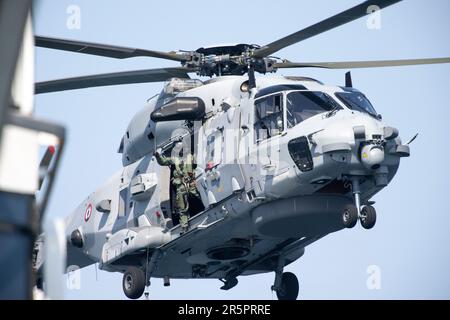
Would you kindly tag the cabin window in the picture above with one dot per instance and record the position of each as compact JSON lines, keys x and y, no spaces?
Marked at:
{"x":301,"y":105}
{"x":268,"y":117}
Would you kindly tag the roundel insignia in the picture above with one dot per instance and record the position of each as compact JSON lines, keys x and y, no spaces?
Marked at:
{"x":88,"y":212}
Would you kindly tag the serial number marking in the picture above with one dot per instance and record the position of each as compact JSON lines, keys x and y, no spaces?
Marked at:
{"x":226,"y":309}
{"x":246,"y":309}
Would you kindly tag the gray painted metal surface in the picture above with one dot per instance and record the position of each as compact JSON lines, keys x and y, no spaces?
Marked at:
{"x":256,"y":196}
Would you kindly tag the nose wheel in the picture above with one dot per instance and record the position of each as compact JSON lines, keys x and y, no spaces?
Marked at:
{"x":350,"y":216}
{"x":367,"y":215}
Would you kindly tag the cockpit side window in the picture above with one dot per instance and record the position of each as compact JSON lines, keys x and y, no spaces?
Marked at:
{"x":357,"y":101}
{"x":301,"y":105}
{"x":268,"y":117}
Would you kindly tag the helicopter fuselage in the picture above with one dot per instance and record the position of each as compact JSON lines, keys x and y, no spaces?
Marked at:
{"x":275,"y":167}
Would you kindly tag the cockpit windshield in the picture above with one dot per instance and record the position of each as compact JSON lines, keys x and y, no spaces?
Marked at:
{"x":301,"y":105}
{"x":357,"y":101}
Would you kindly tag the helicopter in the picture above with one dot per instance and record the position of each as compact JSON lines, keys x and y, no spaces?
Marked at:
{"x":280,"y":163}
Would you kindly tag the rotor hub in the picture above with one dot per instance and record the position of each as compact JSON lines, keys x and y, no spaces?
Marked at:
{"x":233,"y":59}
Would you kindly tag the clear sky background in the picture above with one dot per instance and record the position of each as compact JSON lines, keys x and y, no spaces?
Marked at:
{"x":410,"y":243}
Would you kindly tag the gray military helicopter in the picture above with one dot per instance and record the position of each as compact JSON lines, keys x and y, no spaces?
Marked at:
{"x":280,"y":163}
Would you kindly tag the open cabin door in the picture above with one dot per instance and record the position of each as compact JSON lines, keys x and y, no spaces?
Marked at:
{"x":172,"y":133}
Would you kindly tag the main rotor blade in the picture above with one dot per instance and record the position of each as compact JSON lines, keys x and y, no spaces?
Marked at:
{"x":110,"y":79}
{"x":320,"y":27}
{"x":104,"y":50}
{"x":360,"y":64}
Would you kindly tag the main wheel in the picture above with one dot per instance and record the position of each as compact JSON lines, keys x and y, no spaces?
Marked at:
{"x":289,"y":287}
{"x":350,"y":216}
{"x":133,"y":282}
{"x":368,"y":217}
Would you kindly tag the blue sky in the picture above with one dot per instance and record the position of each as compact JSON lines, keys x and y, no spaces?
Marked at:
{"x":410,"y":241}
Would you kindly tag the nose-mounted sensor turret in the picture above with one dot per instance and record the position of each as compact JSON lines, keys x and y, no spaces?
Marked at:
{"x":372,"y":155}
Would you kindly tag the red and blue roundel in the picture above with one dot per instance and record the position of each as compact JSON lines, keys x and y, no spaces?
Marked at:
{"x":88,"y":212}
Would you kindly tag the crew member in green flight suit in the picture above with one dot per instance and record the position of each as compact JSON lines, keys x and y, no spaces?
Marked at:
{"x":183,"y":180}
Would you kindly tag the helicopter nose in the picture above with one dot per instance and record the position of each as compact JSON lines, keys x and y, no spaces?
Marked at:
{"x":373,"y":141}
{"x":377,"y":146}
{"x":360,"y":144}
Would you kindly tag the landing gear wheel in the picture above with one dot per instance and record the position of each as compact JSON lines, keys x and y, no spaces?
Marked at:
{"x":368,"y":217}
{"x":288,"y":288}
{"x":350,"y":216}
{"x":133,"y":282}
